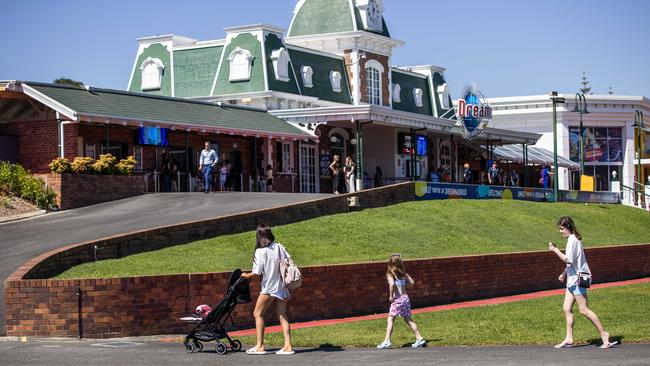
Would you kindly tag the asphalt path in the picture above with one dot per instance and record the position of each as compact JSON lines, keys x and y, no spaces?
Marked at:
{"x":116,"y":352}
{"x":23,"y":240}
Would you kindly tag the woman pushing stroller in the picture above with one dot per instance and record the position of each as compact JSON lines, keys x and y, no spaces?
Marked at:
{"x":266,"y":264}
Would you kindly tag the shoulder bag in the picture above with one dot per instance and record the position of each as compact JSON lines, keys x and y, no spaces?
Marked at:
{"x":289,"y":272}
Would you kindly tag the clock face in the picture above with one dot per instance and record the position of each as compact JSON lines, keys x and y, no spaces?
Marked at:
{"x":374,"y":14}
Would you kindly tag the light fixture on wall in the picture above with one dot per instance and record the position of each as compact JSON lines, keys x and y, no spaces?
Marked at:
{"x":333,"y":139}
{"x":353,"y":141}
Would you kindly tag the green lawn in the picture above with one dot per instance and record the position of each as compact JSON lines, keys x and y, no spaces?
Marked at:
{"x":622,"y":310}
{"x":416,"y":229}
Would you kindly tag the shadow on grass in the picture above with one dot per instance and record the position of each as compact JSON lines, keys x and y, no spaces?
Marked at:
{"x":325,"y":347}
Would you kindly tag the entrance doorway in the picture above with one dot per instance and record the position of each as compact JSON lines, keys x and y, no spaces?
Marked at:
{"x":308,"y":172}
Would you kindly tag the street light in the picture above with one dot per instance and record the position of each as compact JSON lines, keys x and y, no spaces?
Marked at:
{"x":556,"y":100}
{"x":581,"y":107}
{"x":640,"y":126}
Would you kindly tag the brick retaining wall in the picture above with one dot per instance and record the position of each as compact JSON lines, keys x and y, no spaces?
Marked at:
{"x":152,"y":305}
{"x":78,"y":190}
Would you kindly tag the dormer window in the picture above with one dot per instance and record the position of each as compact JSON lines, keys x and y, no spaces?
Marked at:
{"x":335,"y":80}
{"x":280,"y":60}
{"x":396,"y":93}
{"x":417,"y":95}
{"x":152,"y":71}
{"x":443,"y":95}
{"x":307,"y":74}
{"x":240,"y":64}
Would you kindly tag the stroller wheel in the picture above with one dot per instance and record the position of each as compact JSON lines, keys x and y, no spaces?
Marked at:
{"x":198,"y":346}
{"x":221,"y":348}
{"x":189,"y":347}
{"x":235,"y":345}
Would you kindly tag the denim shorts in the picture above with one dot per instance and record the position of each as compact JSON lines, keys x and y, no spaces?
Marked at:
{"x":577,"y":290}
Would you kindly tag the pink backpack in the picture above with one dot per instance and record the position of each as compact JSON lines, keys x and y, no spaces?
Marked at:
{"x":289,"y":272}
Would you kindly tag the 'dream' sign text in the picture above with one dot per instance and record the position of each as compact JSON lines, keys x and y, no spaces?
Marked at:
{"x":473,"y":110}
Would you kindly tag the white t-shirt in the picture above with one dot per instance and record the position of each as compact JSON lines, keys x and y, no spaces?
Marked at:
{"x":576,"y":260}
{"x":267,"y":265}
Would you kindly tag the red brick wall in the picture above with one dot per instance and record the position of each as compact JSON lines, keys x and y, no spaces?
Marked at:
{"x":38,"y":143}
{"x":78,"y":190}
{"x":152,"y":305}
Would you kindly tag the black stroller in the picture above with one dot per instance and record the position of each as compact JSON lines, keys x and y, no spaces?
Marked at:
{"x":212,"y":327}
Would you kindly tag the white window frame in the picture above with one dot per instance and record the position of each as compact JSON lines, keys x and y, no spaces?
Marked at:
{"x":151,"y":72}
{"x":335,"y":80}
{"x":240,"y":65}
{"x":443,"y":95}
{"x":397,"y":89}
{"x":280,"y":58}
{"x":137,"y":154}
{"x":307,"y":76}
{"x":417,"y":96}
{"x":287,"y":157}
{"x":374,"y":85}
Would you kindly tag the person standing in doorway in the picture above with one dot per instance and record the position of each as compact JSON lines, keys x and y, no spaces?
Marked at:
{"x":350,"y":169}
{"x":335,"y":167}
{"x":207,"y":161}
{"x":467,"y":174}
{"x":544,"y":177}
{"x":493,"y":174}
{"x":576,"y":267}
{"x":269,"y":178}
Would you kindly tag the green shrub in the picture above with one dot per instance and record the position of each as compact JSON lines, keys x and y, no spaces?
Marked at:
{"x":60,"y":166}
{"x":105,"y":164}
{"x":83,"y":165}
{"x":15,"y":180}
{"x":127,"y":166}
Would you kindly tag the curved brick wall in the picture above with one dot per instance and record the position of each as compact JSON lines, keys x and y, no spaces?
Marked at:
{"x":152,"y":305}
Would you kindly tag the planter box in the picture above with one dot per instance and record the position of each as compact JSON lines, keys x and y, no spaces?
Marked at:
{"x":78,"y":190}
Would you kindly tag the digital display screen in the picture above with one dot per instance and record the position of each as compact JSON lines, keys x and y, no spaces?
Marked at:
{"x":153,"y":136}
{"x":421,"y":145}
{"x":405,"y":144}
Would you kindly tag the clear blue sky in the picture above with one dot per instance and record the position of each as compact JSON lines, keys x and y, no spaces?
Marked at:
{"x":507,"y":47}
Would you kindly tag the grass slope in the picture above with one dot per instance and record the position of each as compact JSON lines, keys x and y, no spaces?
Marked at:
{"x":622,"y":310}
{"x":416,"y":229}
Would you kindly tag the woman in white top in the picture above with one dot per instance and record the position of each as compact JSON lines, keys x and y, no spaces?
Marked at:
{"x":266,"y":263}
{"x":576,"y":262}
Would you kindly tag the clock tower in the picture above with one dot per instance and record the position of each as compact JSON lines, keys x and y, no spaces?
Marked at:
{"x":371,"y":14}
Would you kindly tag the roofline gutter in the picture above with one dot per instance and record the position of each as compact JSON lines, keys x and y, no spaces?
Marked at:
{"x":44,"y":99}
{"x":127,"y":121}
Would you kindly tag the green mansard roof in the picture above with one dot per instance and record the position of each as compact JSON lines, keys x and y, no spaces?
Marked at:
{"x":194,"y":71}
{"x":328,"y":16}
{"x":408,"y":82}
{"x":321,"y":66}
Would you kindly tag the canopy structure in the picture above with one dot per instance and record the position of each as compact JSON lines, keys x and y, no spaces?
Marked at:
{"x":536,"y":155}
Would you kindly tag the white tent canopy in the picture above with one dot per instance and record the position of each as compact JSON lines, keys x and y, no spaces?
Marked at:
{"x":536,"y":155}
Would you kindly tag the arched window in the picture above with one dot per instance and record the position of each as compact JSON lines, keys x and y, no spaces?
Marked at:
{"x":307,"y":73}
{"x":335,"y":80}
{"x":396,"y":93}
{"x":443,"y":95}
{"x":240,"y":64}
{"x":152,"y":71}
{"x":417,"y":95}
{"x":374,"y":71}
{"x":280,"y":60}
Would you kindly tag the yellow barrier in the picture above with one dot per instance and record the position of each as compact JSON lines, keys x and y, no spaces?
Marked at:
{"x":587,"y":183}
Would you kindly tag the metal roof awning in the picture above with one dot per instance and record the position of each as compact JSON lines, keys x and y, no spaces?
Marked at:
{"x":536,"y":155}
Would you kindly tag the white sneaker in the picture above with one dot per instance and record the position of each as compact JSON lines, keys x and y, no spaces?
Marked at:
{"x":419,"y":343}
{"x":384,"y":345}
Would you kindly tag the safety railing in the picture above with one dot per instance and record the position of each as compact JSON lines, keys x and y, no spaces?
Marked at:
{"x":638,"y":195}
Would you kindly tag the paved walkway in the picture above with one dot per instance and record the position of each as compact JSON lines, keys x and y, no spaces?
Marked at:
{"x":23,"y":240}
{"x":157,"y":353}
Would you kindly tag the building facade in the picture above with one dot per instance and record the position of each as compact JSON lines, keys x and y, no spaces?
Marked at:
{"x":331,"y":76}
{"x":610,"y":142}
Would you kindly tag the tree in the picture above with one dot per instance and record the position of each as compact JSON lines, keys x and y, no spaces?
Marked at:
{"x":66,"y":81}
{"x":586,"y":89}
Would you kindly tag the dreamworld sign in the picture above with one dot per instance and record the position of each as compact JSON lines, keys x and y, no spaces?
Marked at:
{"x":472,"y":112}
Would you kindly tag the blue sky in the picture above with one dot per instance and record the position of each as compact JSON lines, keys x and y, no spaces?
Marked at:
{"x":507,"y":47}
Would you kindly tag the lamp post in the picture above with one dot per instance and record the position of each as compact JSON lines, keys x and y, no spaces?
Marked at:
{"x":640,"y":127}
{"x":581,"y":107}
{"x":556,"y":100}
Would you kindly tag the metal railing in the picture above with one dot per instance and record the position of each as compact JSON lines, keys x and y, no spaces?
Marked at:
{"x":636,"y":196}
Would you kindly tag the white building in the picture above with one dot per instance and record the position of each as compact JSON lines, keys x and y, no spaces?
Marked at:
{"x":609,"y":138}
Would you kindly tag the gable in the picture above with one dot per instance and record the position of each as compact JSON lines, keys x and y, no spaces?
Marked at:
{"x":155,"y":51}
{"x":250,"y":43}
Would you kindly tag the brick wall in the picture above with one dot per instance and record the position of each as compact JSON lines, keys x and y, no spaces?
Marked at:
{"x":152,"y":305}
{"x":78,"y":190}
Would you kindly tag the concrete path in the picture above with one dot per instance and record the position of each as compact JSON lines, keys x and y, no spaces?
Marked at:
{"x":156,"y":353}
{"x":23,"y":240}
